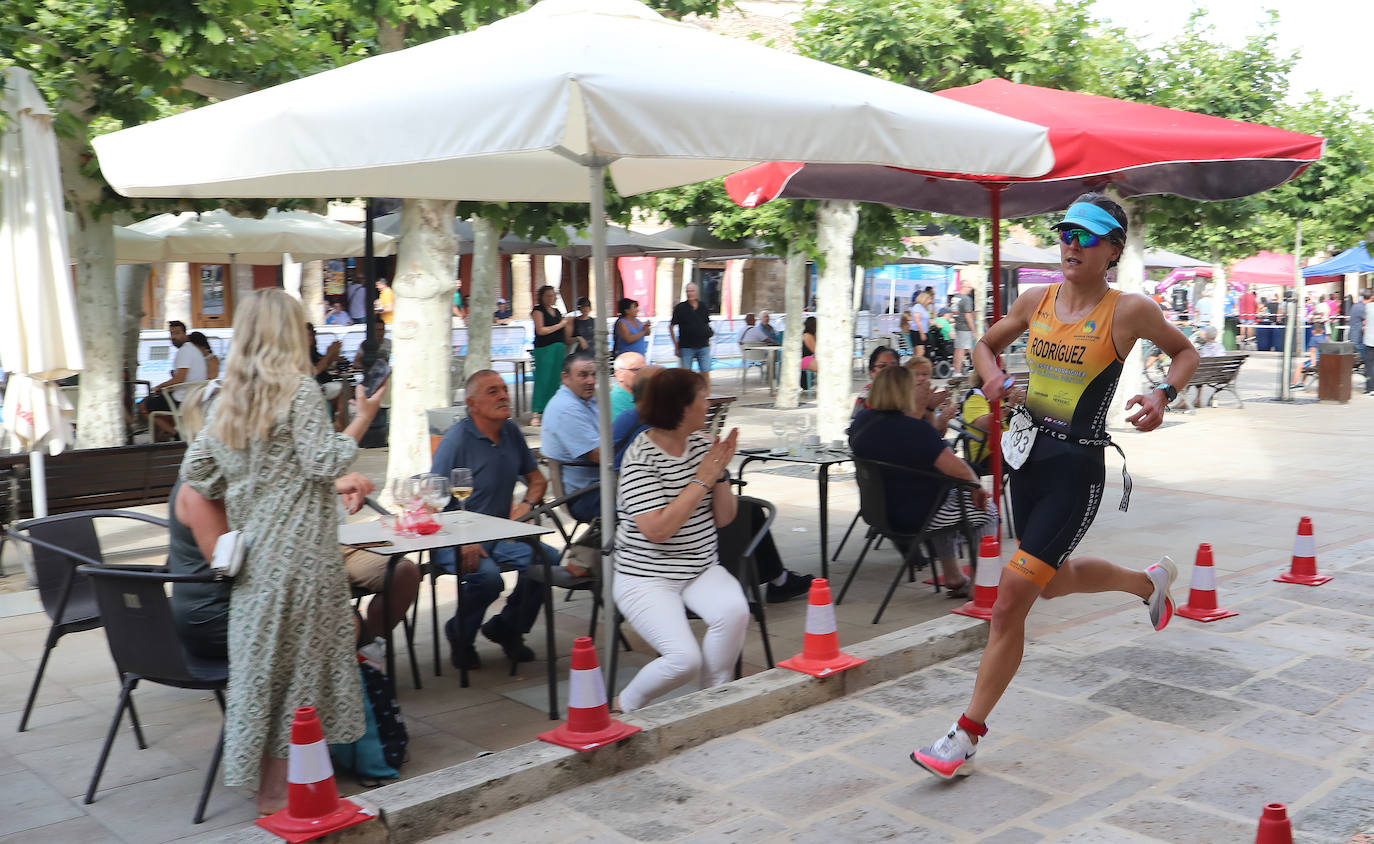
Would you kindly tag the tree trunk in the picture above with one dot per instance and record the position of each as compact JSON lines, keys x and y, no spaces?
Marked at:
{"x":1130,"y":275}
{"x":836,"y":223}
{"x":486,"y":280}
{"x":312,"y":288}
{"x":176,"y":296}
{"x":131,"y":280}
{"x":100,"y":408}
{"x":663,"y":293}
{"x":794,"y":307}
{"x":521,"y":285}
{"x":421,"y":332}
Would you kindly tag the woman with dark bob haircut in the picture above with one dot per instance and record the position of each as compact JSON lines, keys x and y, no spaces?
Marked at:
{"x":673,"y":494}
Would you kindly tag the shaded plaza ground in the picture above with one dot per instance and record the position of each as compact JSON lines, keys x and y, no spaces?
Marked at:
{"x":1257,"y":694}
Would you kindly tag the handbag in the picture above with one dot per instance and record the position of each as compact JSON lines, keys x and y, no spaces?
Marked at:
{"x":230,"y":550}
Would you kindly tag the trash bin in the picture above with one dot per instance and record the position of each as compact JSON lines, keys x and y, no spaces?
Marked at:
{"x":1229,"y":334}
{"x":1334,"y":366}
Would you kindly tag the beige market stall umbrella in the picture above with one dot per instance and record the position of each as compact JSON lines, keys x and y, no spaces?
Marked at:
{"x":218,"y":237}
{"x":40,"y":340}
{"x":598,"y":86}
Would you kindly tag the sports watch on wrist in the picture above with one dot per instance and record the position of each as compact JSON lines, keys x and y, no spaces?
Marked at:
{"x":1170,"y":391}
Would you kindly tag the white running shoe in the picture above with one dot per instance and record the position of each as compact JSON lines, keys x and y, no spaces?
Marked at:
{"x":949,"y":757}
{"x":1163,"y":574}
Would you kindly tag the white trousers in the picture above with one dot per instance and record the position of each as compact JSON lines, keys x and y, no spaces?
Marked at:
{"x":657,"y":609}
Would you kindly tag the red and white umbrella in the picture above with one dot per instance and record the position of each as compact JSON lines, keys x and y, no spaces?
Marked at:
{"x":1138,"y":149}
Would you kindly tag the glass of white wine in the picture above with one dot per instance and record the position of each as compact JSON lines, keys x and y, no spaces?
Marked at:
{"x":461,"y":486}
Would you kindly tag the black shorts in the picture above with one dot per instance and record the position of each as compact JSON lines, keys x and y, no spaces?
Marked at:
{"x":1054,"y":499}
{"x":155,"y":402}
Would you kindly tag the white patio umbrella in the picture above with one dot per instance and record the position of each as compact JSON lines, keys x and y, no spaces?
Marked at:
{"x":40,"y":340}
{"x":599,"y":84}
{"x":218,"y":237}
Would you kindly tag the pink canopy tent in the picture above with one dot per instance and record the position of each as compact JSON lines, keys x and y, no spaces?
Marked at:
{"x":1273,"y":269}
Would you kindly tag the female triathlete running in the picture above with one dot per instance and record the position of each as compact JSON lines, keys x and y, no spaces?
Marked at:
{"x":1080,"y":333}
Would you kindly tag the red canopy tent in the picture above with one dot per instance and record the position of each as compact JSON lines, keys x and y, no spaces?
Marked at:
{"x":1098,"y":141}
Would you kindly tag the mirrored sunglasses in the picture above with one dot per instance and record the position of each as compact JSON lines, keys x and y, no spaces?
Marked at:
{"x":1086,"y":239}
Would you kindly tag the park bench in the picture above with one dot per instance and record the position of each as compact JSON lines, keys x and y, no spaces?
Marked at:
{"x":90,"y":479}
{"x":1219,"y":373}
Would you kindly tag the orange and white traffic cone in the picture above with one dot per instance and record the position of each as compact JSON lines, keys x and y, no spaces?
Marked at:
{"x":985,"y":580}
{"x":589,"y":723}
{"x":1274,"y":826}
{"x":1202,"y":599}
{"x":1304,"y":568}
{"x":313,"y":807}
{"x":821,"y":655}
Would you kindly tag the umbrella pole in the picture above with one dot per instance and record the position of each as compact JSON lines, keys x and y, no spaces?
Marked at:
{"x":38,"y":480}
{"x":995,"y":429}
{"x":596,"y":173}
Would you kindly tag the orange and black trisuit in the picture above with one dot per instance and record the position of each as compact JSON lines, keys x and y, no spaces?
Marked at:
{"x":1074,"y":369}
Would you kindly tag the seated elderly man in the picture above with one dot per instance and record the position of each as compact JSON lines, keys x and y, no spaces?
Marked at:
{"x":489,"y":443}
{"x":627,"y":366}
{"x":760,"y":332}
{"x":571,"y":434}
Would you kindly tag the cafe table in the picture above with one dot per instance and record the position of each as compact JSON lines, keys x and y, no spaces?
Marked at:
{"x":822,"y":457}
{"x":520,"y":365}
{"x":457,"y":527}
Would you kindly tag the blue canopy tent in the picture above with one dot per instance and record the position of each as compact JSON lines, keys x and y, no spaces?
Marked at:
{"x":1353,"y":260}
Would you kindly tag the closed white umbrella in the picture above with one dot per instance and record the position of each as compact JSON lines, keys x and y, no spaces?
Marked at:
{"x":40,"y":340}
{"x":597,"y":85}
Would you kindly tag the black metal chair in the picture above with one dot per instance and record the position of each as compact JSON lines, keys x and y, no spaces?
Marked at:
{"x":737,"y":546}
{"x":869,"y":474}
{"x":60,"y":544}
{"x":143,"y":640}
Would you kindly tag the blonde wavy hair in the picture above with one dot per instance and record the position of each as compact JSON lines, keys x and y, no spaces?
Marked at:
{"x":892,"y":390}
{"x":264,"y":368}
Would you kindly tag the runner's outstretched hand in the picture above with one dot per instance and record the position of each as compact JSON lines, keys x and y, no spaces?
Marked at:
{"x":1151,"y":412}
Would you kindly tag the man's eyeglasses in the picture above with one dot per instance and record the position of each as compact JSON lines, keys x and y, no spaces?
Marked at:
{"x":1086,"y":239}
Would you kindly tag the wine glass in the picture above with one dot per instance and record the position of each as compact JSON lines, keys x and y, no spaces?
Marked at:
{"x":780,"y":432}
{"x":803,"y":424}
{"x":461,"y":485}
{"x":435,"y":491}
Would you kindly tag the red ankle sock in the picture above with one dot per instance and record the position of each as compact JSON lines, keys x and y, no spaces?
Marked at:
{"x":972,"y":727}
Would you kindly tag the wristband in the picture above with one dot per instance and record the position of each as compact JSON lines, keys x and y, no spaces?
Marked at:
{"x":532,"y":504}
{"x":699,"y":482}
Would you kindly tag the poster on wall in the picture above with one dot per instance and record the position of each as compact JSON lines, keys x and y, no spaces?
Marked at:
{"x":334,"y":276}
{"x":637,"y":276}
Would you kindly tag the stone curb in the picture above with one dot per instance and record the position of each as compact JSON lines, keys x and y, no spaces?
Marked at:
{"x":442,"y":801}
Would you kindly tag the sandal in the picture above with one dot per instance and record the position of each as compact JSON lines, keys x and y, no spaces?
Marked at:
{"x":960,"y":591}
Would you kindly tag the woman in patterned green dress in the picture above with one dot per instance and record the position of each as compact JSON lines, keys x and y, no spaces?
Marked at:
{"x":271,"y":454}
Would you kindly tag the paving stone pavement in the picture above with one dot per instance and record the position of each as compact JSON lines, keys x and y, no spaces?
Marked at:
{"x":1180,"y":737}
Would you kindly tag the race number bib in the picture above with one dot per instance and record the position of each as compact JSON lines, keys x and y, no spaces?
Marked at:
{"x":1018,"y":438}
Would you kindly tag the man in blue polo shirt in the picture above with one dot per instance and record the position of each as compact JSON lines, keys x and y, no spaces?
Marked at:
{"x":491,"y":445}
{"x":571,"y":435}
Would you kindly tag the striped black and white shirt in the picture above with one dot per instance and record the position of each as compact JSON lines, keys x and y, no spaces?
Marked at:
{"x":649,"y":479}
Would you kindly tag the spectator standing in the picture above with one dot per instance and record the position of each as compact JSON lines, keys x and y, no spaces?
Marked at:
{"x":551,"y":334}
{"x":692,"y":337}
{"x":270,"y":454}
{"x":572,"y":435}
{"x":631,"y":333}
{"x":674,"y":493}
{"x":808,"y":361}
{"x":1359,"y":316}
{"x":963,"y":326}
{"x":503,"y":314}
{"x":356,"y":297}
{"x":1249,"y":314}
{"x":386,"y":302}
{"x":489,"y":443}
